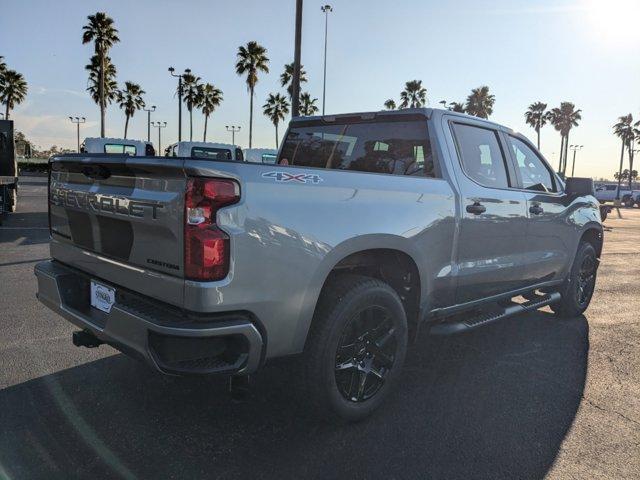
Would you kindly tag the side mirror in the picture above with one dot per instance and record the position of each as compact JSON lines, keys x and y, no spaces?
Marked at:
{"x":579,"y":186}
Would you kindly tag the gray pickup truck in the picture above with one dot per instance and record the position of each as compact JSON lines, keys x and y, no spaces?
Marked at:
{"x":369,"y":227}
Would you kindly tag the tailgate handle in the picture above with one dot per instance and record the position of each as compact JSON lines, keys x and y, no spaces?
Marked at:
{"x":97,"y":172}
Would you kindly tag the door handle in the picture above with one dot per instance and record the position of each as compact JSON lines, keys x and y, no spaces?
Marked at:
{"x":536,"y":209}
{"x":476,"y":208}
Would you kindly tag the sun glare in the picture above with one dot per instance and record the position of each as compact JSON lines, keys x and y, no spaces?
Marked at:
{"x":615,"y":20}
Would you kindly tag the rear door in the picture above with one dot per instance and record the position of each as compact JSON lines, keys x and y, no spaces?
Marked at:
{"x":121,"y":218}
{"x":491,"y":247}
{"x":548,"y":210}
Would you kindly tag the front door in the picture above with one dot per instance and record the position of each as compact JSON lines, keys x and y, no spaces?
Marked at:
{"x":491,"y":247}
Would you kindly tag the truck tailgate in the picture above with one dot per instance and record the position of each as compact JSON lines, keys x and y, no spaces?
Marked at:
{"x":121,"y":218}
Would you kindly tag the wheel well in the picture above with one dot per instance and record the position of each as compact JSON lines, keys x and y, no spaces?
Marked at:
{"x":391,"y":266}
{"x":594,"y":237}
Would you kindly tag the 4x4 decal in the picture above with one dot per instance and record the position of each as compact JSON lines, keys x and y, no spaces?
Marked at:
{"x":280,"y":176}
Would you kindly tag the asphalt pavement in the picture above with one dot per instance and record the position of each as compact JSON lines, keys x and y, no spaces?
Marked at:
{"x":528,"y":397}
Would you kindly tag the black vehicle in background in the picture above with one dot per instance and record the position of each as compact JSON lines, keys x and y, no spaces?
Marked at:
{"x":8,"y":169}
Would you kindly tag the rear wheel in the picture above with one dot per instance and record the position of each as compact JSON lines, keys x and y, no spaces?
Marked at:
{"x":356,"y":346}
{"x":579,"y":286}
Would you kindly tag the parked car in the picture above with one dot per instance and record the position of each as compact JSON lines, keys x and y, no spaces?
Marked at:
{"x":608,"y":193}
{"x":371,"y":227}
{"x":8,"y":169}
{"x":205,"y":151}
{"x":118,"y":146}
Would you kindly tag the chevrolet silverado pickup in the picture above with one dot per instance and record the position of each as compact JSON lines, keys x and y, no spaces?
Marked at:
{"x":369,"y":227}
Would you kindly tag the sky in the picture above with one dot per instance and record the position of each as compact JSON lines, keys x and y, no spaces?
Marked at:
{"x":582,"y":51}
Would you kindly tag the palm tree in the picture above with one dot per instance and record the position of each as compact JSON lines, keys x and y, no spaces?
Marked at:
{"x":307,"y":104}
{"x":130,"y":100}
{"x":251,"y":59}
{"x":13,"y":90}
{"x":276,"y":107}
{"x":210,"y":97}
{"x":564,"y":118}
{"x":456,"y":107}
{"x":390,"y":104}
{"x":480,"y":102}
{"x":287,"y":76}
{"x":3,"y":66}
{"x":190,"y":96}
{"x":537,"y":116}
{"x":414,"y":95}
{"x":93,"y":83}
{"x":624,"y":131}
{"x":103,"y":34}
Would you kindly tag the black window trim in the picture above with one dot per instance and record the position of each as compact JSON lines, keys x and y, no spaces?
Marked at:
{"x":508,"y":167}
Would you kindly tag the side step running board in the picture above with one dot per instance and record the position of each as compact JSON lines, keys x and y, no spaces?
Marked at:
{"x":448,"y":328}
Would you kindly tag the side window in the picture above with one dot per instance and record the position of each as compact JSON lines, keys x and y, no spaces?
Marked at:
{"x":535,"y":174}
{"x":115,"y":148}
{"x":481,"y":155}
{"x":239,"y":155}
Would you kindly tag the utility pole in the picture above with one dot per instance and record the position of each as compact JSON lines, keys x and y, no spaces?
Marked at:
{"x":295,"y":91}
{"x":149,"y":110}
{"x":233,"y":129}
{"x":326,"y":9}
{"x":179,"y":77}
{"x":159,"y":126}
{"x":575,"y":148}
{"x":78,"y":121}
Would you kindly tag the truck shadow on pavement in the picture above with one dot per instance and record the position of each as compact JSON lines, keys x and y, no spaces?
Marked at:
{"x":494,"y":403}
{"x":28,"y":228}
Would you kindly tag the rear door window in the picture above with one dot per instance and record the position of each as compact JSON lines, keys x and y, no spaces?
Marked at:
{"x":396,"y":147}
{"x":535,"y":174}
{"x":481,"y":155}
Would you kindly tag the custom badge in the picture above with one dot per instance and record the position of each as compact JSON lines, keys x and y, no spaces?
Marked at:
{"x":280,"y":176}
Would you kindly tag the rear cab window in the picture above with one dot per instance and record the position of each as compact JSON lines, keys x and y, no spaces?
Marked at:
{"x":211,"y":153}
{"x":397,"y":146}
{"x":119,"y":149}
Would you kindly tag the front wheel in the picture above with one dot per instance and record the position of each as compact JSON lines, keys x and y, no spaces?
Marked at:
{"x":356,"y":346}
{"x":580,"y":284}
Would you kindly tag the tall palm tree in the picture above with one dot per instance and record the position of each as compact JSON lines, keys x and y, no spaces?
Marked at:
{"x":555,"y":118}
{"x":286,"y":78}
{"x":130,"y":100}
{"x":251,"y":59}
{"x":537,"y":116}
{"x":564,"y":118}
{"x":190,"y":96}
{"x":390,"y":104}
{"x":480,"y":102}
{"x":93,"y":83}
{"x":276,"y":107}
{"x":456,"y":107}
{"x":13,"y":90}
{"x":307,"y":104}
{"x":414,"y":95}
{"x":624,"y":131}
{"x":3,"y":66}
{"x":103,"y":34}
{"x":210,"y":97}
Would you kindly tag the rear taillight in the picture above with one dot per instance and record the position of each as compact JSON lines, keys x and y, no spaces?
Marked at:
{"x":206,"y":247}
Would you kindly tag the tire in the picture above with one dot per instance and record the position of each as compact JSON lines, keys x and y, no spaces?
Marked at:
{"x":628,"y":202}
{"x":604,"y":211}
{"x":580,"y":284}
{"x":353,"y":357}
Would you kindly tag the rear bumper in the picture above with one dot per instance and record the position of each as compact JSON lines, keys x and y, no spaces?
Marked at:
{"x":170,"y":340}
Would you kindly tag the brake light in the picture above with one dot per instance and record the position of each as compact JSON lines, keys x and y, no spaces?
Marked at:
{"x":206,"y":247}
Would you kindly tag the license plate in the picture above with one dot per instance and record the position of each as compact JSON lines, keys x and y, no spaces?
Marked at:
{"x":102,"y":297}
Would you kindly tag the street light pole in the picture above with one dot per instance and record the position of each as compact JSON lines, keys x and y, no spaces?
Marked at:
{"x":233,"y":129}
{"x":179,"y":77}
{"x":575,"y":148}
{"x":295,"y":91}
{"x":149,"y":110}
{"x":326,"y":9}
{"x":78,"y":121}
{"x":159,"y":126}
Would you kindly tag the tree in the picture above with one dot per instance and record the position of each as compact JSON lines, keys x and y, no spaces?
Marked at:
{"x":307,"y":104}
{"x":480,"y":102}
{"x":190,"y":96}
{"x":390,"y":104}
{"x":414,"y":95}
{"x":210,"y":97}
{"x":287,"y":76}
{"x":93,"y":83}
{"x":276,"y":108}
{"x":456,"y":107}
{"x":624,"y":131}
{"x":564,"y":118}
{"x":13,"y":90}
{"x":3,"y":66}
{"x":103,"y":34}
{"x":130,"y":100}
{"x":251,"y":59}
{"x":624,"y":176}
{"x":537,"y":116}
